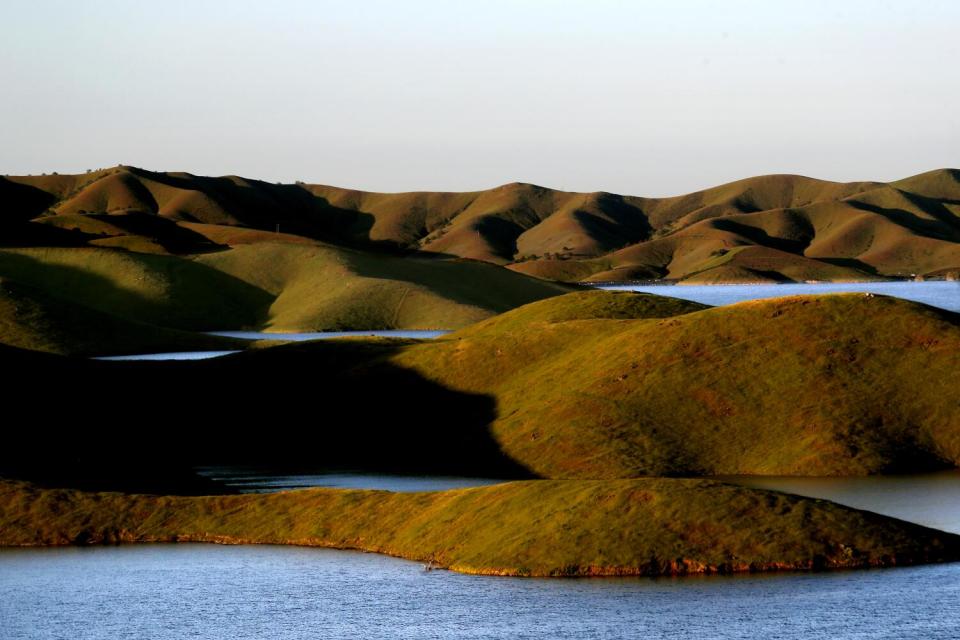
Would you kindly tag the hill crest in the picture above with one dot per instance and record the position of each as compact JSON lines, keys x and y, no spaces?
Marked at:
{"x":822,"y":230}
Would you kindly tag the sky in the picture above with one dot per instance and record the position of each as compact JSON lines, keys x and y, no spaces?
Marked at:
{"x":647,"y":98}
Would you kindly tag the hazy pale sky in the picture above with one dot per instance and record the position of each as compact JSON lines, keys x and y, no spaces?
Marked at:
{"x":645,"y":98}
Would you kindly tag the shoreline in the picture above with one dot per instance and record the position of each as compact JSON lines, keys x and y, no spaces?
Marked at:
{"x":539,"y":528}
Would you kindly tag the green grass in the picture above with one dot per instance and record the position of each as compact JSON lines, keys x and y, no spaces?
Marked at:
{"x":588,"y":385}
{"x":590,"y":304}
{"x":32,"y":319}
{"x":160,"y":290}
{"x":275,"y":286}
{"x":810,"y":385}
{"x":535,"y":528}
{"x":328,"y":288}
{"x":801,"y":228}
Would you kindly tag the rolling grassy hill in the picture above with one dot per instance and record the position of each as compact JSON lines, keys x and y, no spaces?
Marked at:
{"x":809,"y":385}
{"x":31,"y":319}
{"x":539,"y":528}
{"x":768,"y":228}
{"x":278,"y":286}
{"x":588,"y":385}
{"x":330,"y":288}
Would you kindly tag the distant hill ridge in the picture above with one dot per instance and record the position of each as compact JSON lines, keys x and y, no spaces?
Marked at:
{"x":766,"y":228}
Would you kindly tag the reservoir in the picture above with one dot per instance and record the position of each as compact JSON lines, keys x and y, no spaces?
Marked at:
{"x":266,"y":480}
{"x":216,"y":592}
{"x":326,"y":335}
{"x":220,"y":592}
{"x":945,"y":295}
{"x":165,"y":591}
{"x":264,"y":335}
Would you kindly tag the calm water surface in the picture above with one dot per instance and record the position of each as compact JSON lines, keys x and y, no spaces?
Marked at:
{"x":265,"y":480}
{"x":207,"y":591}
{"x":930,"y":499}
{"x":279,"y":593}
{"x":262,"y":335}
{"x":171,"y":355}
{"x":945,"y":295}
{"x":221,"y":592}
{"x":326,"y":335}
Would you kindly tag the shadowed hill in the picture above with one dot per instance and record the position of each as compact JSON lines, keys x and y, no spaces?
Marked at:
{"x":329,"y":288}
{"x":279,"y":286}
{"x":540,"y":528}
{"x":152,"y":289}
{"x":144,"y":425}
{"x":778,"y":227}
{"x":32,"y":319}
{"x":614,"y":385}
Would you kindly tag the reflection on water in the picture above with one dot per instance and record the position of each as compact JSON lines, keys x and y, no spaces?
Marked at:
{"x":173,"y":355}
{"x":260,"y":335}
{"x":945,"y":295}
{"x":224,"y":593}
{"x":326,"y":335}
{"x":265,"y":480}
{"x":931,"y":499}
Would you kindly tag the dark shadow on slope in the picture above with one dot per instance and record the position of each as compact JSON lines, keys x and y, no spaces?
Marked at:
{"x":936,"y":209}
{"x":851,"y":263}
{"x":760,"y":236}
{"x":22,"y":201}
{"x":264,"y":206}
{"x":465,"y":281}
{"x":500,"y":234}
{"x":616,"y":223}
{"x":18,"y":233}
{"x":199,"y":298}
{"x":165,"y":232}
{"x":141,"y":426}
{"x":936,"y":229}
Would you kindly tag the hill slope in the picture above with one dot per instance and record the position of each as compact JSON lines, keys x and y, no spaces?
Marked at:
{"x":540,"y":528}
{"x":808,"y":385}
{"x":32,"y":319}
{"x":589,"y":385}
{"x":329,"y":288}
{"x":279,"y":286}
{"x":779,"y":227}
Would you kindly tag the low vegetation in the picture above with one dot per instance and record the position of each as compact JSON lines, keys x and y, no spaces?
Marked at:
{"x":588,"y":385}
{"x":773,"y":228}
{"x":536,"y":528}
{"x":845,"y":384}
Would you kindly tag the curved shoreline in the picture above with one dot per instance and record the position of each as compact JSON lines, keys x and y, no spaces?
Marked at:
{"x":541,"y":528}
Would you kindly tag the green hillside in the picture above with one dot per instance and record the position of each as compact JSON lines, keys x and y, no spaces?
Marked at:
{"x":540,"y":528}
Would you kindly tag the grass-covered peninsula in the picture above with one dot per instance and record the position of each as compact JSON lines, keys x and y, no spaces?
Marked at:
{"x":534,"y":528}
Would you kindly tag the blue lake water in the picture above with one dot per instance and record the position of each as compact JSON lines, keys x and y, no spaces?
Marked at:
{"x":171,"y":355}
{"x":326,"y":335}
{"x":945,"y":295}
{"x":930,"y":499}
{"x":207,"y":591}
{"x":215,"y":592}
{"x":266,"y":480}
{"x":263,"y":335}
